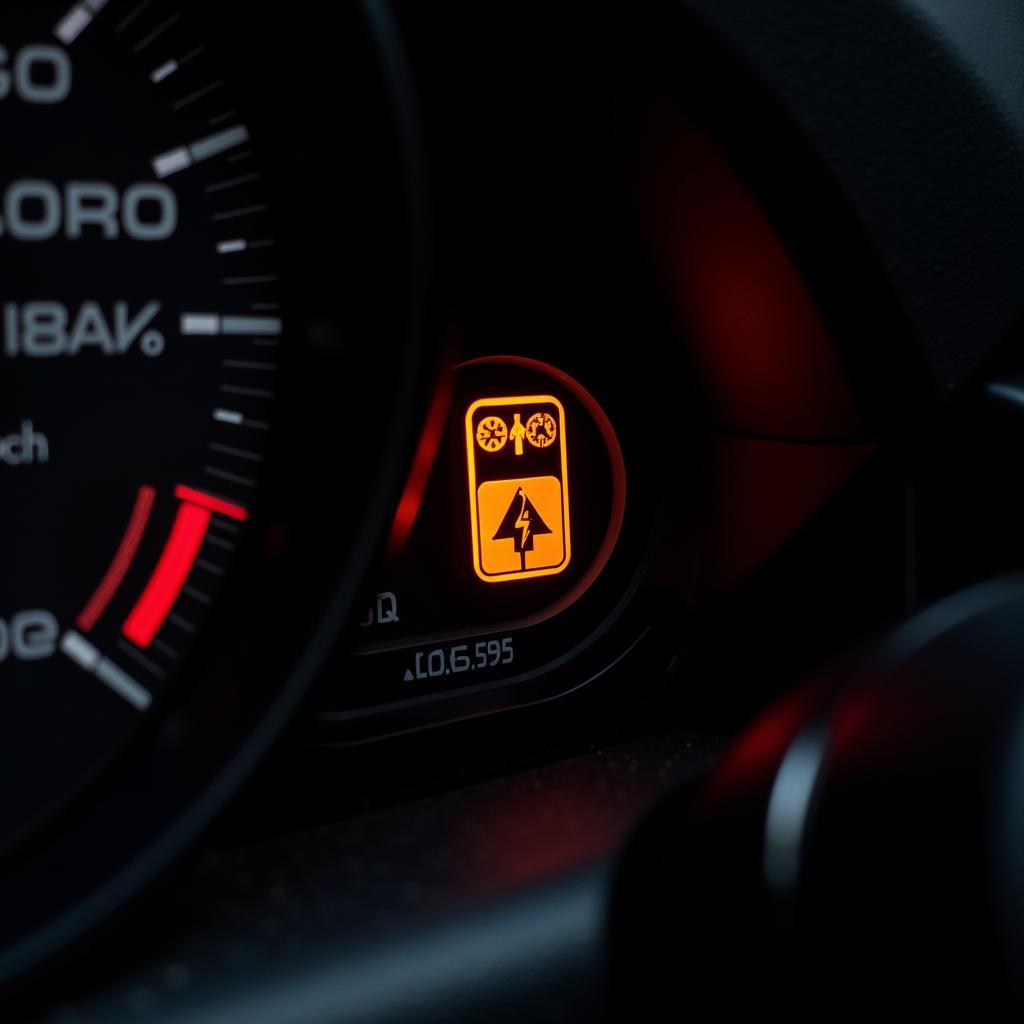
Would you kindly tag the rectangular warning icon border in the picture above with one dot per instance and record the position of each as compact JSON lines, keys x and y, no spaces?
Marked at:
{"x":471,"y":456}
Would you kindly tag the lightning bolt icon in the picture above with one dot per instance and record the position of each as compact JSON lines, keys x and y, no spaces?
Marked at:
{"x":523,"y":521}
{"x":522,"y":524}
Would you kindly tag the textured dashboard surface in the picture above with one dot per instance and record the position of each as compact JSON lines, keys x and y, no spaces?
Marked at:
{"x":918,"y":121}
{"x":494,"y":895}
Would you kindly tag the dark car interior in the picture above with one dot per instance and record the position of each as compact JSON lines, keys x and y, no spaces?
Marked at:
{"x":511,"y":512}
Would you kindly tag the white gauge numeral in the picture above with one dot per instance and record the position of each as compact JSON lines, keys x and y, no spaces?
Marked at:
{"x":36,"y":74}
{"x":40,"y":211}
{"x":28,"y":636}
{"x":45,"y":330}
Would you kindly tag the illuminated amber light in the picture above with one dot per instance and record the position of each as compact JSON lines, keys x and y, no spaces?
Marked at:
{"x":542,"y":430}
{"x":518,"y":492}
{"x":491,"y":433}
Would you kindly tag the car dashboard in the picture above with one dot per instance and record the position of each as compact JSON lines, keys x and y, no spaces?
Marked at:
{"x":510,"y":510}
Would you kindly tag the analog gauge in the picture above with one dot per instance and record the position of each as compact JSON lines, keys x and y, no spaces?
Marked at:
{"x":140,"y":326}
{"x":154,"y":467}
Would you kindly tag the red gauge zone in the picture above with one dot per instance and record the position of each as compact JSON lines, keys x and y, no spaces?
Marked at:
{"x":140,"y":330}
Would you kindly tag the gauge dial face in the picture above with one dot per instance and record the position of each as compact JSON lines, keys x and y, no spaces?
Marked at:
{"x":139,"y":335}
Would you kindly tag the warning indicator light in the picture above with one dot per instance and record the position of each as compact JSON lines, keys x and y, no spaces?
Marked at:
{"x":492,"y":433}
{"x":518,"y":487}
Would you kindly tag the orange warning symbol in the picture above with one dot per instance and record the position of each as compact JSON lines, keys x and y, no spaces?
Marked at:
{"x":491,"y":433}
{"x":541,"y":430}
{"x":519,"y":494}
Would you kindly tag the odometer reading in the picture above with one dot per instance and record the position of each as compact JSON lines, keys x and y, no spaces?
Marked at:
{"x":460,"y":658}
{"x":139,"y":328}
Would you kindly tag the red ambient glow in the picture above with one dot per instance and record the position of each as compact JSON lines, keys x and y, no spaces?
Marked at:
{"x":115,"y":574}
{"x":423,"y":464}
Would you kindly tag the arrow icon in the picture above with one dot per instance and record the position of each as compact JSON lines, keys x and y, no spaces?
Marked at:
{"x":520,"y":524}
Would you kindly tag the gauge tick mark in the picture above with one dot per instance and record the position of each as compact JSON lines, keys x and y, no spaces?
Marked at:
{"x":87,"y":657}
{"x":156,"y":33}
{"x":183,"y":157}
{"x":74,"y":23}
{"x":164,"y":71}
{"x":212,"y":324}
